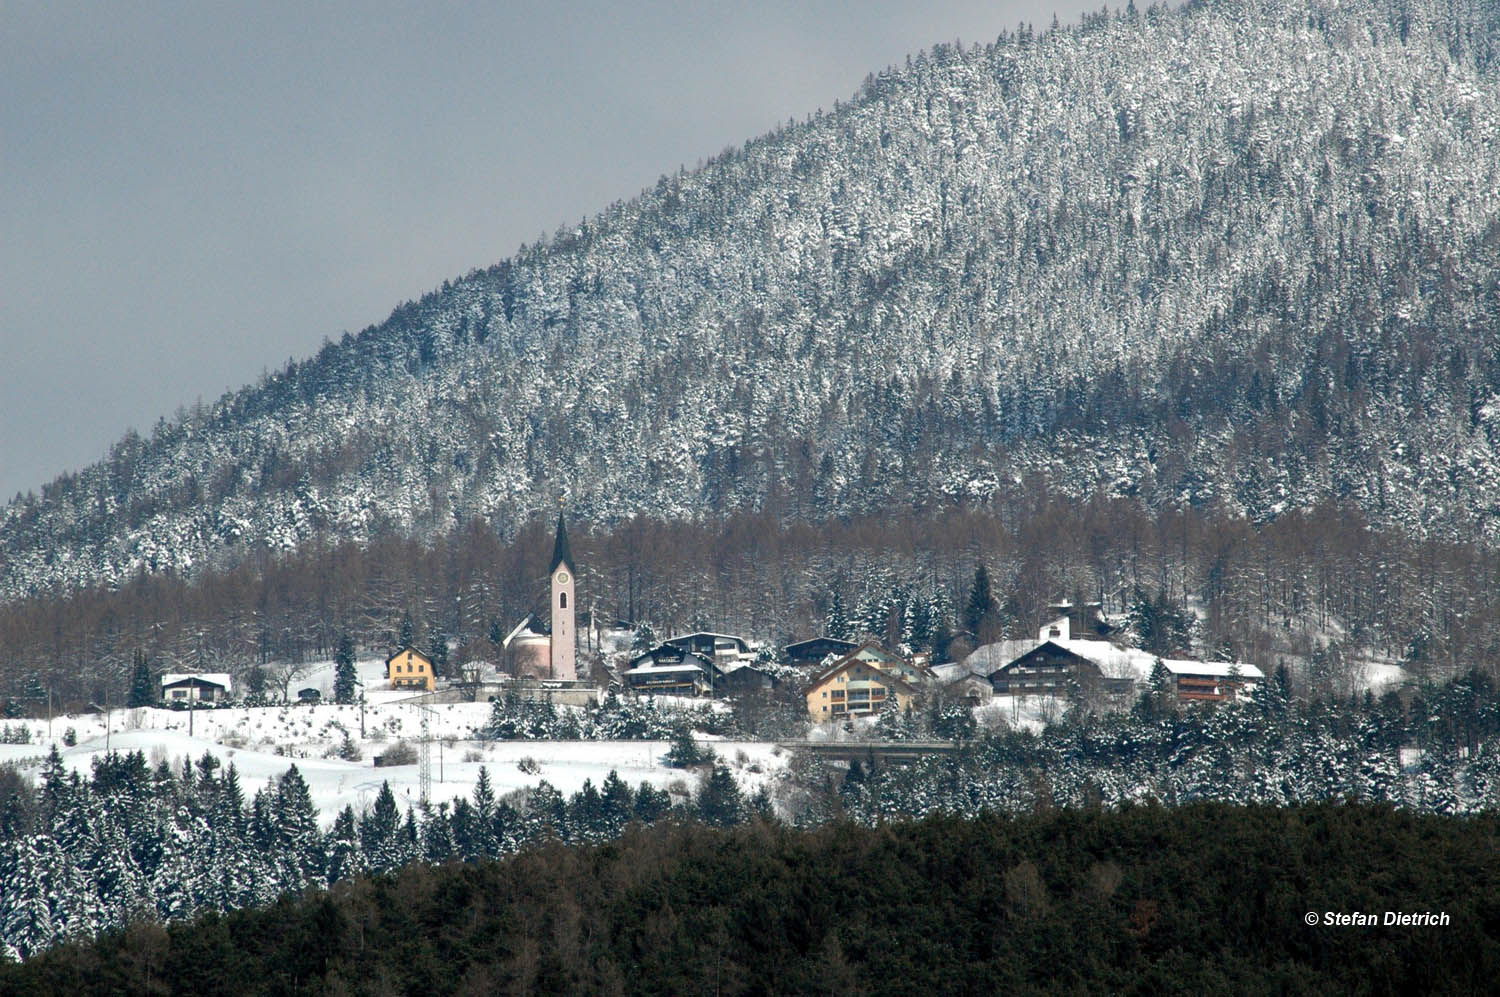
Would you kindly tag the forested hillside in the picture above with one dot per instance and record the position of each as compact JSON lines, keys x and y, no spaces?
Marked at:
{"x":1243,"y":256}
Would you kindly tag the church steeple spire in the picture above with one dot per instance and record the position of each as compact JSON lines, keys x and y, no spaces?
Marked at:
{"x":561,"y":553}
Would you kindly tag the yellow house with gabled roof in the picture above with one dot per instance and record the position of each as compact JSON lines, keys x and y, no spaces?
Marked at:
{"x":854,"y":687}
{"x":409,"y":668}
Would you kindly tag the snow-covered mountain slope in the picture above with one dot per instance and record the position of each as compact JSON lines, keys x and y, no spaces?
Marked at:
{"x":1242,"y":254}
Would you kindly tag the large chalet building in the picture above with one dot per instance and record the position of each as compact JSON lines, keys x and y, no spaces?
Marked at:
{"x":697,"y":665}
{"x":671,"y":670}
{"x":1073,"y":656}
{"x":1065,"y":667}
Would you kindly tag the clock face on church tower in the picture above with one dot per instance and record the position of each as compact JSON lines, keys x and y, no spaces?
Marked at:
{"x":562,"y":578}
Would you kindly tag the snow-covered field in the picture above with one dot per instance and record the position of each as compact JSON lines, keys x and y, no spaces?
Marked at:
{"x":262,"y":742}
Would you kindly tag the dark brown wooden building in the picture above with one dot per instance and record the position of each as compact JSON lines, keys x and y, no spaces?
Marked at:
{"x":1055,"y":669}
{"x":1211,"y":681}
{"x":813,"y":650}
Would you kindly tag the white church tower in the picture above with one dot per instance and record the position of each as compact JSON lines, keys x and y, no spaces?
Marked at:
{"x":564,"y":634}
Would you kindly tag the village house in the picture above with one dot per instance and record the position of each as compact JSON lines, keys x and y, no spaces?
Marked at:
{"x":669,"y":670}
{"x":1211,"y":681}
{"x":1089,"y":667}
{"x":721,"y":648}
{"x":957,"y":681}
{"x":816,"y":649}
{"x":410,"y":669}
{"x":1076,"y":621}
{"x":960,"y":681}
{"x":872,"y":653}
{"x":1065,"y":621}
{"x":853,"y":686}
{"x":1062,"y":667}
{"x":741,"y":679}
{"x":196,"y":687}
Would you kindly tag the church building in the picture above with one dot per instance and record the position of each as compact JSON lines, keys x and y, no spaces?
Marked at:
{"x":564,"y":634}
{"x":546,"y":647}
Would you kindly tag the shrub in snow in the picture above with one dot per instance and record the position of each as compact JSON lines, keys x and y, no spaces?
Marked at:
{"x":400,"y":753}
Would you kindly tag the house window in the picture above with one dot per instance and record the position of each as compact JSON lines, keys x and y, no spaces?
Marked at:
{"x":562,"y":600}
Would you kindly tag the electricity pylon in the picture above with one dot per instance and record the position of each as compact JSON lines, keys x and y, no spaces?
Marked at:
{"x":424,"y":761}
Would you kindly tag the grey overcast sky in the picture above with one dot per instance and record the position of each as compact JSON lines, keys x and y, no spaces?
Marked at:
{"x":192,"y":193}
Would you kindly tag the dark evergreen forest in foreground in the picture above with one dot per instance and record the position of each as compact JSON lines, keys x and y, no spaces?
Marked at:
{"x":129,"y":844}
{"x":1202,"y":899}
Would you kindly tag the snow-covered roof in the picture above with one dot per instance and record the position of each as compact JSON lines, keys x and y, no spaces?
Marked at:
{"x":819,"y":639}
{"x":1130,"y":662}
{"x":215,"y":678}
{"x":516,"y":631}
{"x":953,"y":671}
{"x":989,"y":657}
{"x":1114,"y":662}
{"x":661,"y":669}
{"x":1212,"y":669}
{"x":678,"y":655}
